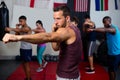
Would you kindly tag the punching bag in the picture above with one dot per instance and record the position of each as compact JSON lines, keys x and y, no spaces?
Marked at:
{"x":4,"y":19}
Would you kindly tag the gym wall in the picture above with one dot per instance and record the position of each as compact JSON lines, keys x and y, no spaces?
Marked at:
{"x":8,"y":51}
{"x":97,"y":16}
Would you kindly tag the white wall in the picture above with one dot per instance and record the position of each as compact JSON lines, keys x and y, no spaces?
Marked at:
{"x":32,"y":14}
{"x":12,"y":49}
{"x":97,"y":16}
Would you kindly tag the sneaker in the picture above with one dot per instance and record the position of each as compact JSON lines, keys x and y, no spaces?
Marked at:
{"x":39,"y":69}
{"x":89,"y":71}
{"x":44,"y":65}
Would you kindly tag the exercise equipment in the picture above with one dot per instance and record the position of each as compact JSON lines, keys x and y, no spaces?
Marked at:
{"x":4,"y":19}
{"x":47,"y":57}
{"x":52,"y":58}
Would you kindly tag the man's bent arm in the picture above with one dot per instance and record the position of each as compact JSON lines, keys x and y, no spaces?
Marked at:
{"x":55,"y":46}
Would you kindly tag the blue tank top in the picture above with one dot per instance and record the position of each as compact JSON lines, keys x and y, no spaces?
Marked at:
{"x":113,"y":42}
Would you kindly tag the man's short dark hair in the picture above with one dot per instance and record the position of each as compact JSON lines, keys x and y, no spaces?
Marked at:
{"x":107,"y":18}
{"x":64,"y":8}
{"x":23,"y":17}
{"x":40,"y":22}
{"x":87,"y":16}
{"x":75,"y":19}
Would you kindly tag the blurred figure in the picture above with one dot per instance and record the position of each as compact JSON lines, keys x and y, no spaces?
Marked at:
{"x":91,"y":42}
{"x":25,"y":48}
{"x":113,"y":44}
{"x":40,"y":47}
{"x":74,"y":21}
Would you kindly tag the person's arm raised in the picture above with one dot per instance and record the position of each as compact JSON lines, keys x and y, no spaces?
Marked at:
{"x":55,"y":45}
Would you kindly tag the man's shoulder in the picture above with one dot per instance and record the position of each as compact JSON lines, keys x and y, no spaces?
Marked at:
{"x":27,"y":27}
{"x":113,"y":25}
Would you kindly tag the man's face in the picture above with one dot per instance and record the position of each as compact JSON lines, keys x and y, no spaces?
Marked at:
{"x":39,"y":26}
{"x":106,"y":23}
{"x":59,"y":19}
{"x":22,"y":22}
{"x":87,"y":19}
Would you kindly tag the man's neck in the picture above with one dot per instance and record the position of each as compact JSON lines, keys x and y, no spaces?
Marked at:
{"x":25,"y":25}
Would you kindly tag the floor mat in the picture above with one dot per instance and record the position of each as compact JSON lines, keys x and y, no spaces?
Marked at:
{"x":49,"y":72}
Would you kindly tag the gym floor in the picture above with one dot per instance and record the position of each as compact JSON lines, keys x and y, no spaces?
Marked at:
{"x":8,"y":66}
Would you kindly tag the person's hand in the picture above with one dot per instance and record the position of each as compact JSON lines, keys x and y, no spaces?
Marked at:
{"x":10,"y":38}
{"x":7,"y":29}
{"x":17,"y":27}
{"x":90,"y":30}
{"x":54,"y":27}
{"x":17,"y":24}
{"x":86,"y":23}
{"x":33,"y":30}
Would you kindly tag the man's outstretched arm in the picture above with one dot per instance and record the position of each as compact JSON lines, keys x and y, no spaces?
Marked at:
{"x":38,"y":38}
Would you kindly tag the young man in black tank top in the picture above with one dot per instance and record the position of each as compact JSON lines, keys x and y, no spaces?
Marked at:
{"x":65,"y":38}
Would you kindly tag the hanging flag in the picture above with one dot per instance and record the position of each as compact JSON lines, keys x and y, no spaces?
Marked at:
{"x":101,"y":5}
{"x":32,"y":2}
{"x":42,"y":4}
{"x":117,"y":4}
{"x":81,"y":5}
{"x":59,"y":2}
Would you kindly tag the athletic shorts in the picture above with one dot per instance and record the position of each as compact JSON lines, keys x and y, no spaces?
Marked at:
{"x":113,"y":62}
{"x":91,"y":48}
{"x":26,"y":54}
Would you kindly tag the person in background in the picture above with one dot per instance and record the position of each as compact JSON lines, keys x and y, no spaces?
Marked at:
{"x":65,"y":38}
{"x":25,"y":48}
{"x":91,"y":42}
{"x":113,"y":45}
{"x":40,"y":47}
{"x":74,"y":21}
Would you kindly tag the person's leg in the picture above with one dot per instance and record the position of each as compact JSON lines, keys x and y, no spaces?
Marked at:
{"x":39,"y":56}
{"x":112,"y":75}
{"x":40,"y":51}
{"x":26,"y":58}
{"x":26,"y":68}
{"x":92,"y":50}
{"x":90,"y":58}
{"x":113,"y":62}
{"x":91,"y":47}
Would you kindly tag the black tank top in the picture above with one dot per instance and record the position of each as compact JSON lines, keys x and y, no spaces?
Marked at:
{"x":69,"y":57}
